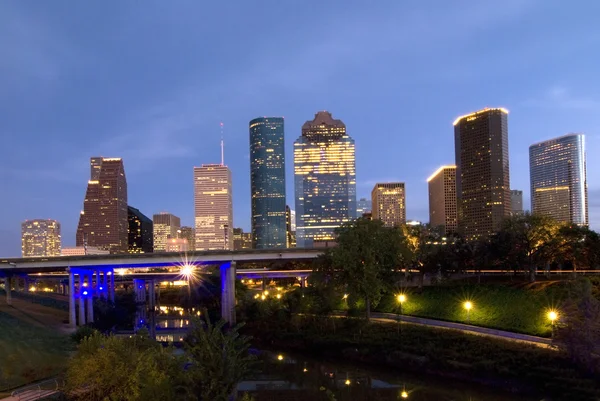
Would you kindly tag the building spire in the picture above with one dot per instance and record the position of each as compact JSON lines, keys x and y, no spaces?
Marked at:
{"x":222,"y":147}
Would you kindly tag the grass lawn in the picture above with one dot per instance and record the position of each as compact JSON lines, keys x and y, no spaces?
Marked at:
{"x":30,"y":348}
{"x":514,"y":307}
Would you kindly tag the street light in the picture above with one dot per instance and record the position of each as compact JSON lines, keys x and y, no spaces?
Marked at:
{"x":468,"y":305}
{"x":404,"y":394}
{"x":552,"y":316}
{"x":401,"y":298}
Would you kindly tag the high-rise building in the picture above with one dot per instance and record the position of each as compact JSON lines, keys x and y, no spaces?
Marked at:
{"x":241,"y":240}
{"x":516,"y":201}
{"x":40,"y":237}
{"x":267,"y":182}
{"x":389,"y":203}
{"x":81,"y":251}
{"x":442,"y":199}
{"x":559,"y":179}
{"x":325,"y":179}
{"x":103,"y":222}
{"x":165,"y":226}
{"x":290,"y":228}
{"x":190,"y":235}
{"x":213,"y":207}
{"x":363,"y":205}
{"x":482,"y":172}
{"x":141,"y":234}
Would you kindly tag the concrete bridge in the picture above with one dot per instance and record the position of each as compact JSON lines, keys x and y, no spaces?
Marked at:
{"x":93,"y":275}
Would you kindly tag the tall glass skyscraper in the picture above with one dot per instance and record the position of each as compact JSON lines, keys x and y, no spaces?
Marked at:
{"x":325,"y":180}
{"x":267,"y":181}
{"x":557,"y":170}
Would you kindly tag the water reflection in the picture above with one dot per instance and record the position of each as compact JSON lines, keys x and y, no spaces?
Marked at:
{"x":285,"y":377}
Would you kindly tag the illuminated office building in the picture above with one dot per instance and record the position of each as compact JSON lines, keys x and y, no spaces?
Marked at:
{"x":241,"y":240}
{"x":140,"y":235}
{"x":290,"y":227}
{"x":363,"y":206}
{"x":516,"y":201}
{"x":558,"y":179}
{"x":177,"y":245}
{"x":213,"y":207}
{"x":442,"y":199}
{"x":40,"y":237}
{"x":482,"y":172}
{"x":103,"y":222}
{"x":325,"y":180}
{"x":165,"y":226}
{"x":190,"y":235}
{"x":267,"y":182}
{"x":389,"y":203}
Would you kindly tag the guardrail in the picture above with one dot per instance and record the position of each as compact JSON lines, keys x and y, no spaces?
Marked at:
{"x":37,"y":391}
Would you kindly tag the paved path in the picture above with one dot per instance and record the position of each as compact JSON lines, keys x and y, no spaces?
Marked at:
{"x":465,"y":328}
{"x":31,"y":395}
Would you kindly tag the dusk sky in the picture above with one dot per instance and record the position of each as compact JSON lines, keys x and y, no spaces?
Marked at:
{"x":151,"y":81}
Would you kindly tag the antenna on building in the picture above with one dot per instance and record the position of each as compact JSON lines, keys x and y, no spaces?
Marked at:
{"x":222,"y":147}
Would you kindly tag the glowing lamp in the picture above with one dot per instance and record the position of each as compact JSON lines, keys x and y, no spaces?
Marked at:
{"x":85,"y":293}
{"x":280,"y":357}
{"x":468,"y":305}
{"x":404,"y":394}
{"x":401,"y":298}
{"x":552,"y":315}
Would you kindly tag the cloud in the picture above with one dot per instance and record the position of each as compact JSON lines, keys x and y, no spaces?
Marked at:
{"x":560,"y":97}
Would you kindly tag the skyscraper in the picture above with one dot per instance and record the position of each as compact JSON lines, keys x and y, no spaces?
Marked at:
{"x":290,"y":227}
{"x":165,"y":226}
{"x":40,"y":238}
{"x":482,"y":172}
{"x":267,"y":182}
{"x":559,"y":179}
{"x":442,"y":199}
{"x":241,"y":240}
{"x":213,"y":207}
{"x":516,"y":201}
{"x":140,"y":232}
{"x":363,"y":206}
{"x":389,"y":203}
{"x":325,"y":179}
{"x":103,"y":222}
{"x":190,"y":235}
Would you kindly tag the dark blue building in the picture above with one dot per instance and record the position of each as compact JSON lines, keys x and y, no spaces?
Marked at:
{"x":267,"y":182}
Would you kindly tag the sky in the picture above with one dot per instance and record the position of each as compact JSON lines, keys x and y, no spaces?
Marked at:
{"x":151,"y":81}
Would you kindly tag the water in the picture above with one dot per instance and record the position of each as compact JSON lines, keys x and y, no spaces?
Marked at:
{"x":292,"y":377}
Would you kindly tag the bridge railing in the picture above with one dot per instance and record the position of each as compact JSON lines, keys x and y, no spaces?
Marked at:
{"x":38,"y":390}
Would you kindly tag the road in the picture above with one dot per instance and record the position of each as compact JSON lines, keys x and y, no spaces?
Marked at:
{"x":465,"y":328}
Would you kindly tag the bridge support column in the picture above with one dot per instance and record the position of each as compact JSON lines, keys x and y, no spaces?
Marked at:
{"x":72,"y":317}
{"x":90,"y":298}
{"x":302,"y":282}
{"x":26,"y":283}
{"x":228,"y":292}
{"x":152,"y":307}
{"x":140,"y":290}
{"x":111,"y":286}
{"x":81,"y":301}
{"x":8,"y":288}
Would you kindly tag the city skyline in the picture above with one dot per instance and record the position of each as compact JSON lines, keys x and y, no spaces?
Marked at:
{"x":167,"y":119}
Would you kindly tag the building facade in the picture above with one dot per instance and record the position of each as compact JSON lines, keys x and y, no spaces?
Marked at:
{"x":241,"y":240}
{"x":482,"y":172}
{"x":141,"y":232}
{"x":103,"y":222}
{"x":516,"y":201}
{"x":213,"y":207}
{"x":363,"y":206}
{"x":559,"y":179}
{"x":290,"y":227}
{"x":165,"y":226}
{"x":443,"y":211}
{"x":40,"y":237}
{"x":82,"y":251}
{"x":177,"y":245}
{"x":267,"y":182}
{"x":325,"y":180}
{"x":389,"y":203}
{"x":190,"y":235}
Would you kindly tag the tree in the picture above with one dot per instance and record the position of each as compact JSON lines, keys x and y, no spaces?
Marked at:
{"x":578,"y":333}
{"x":130,"y":369}
{"x":363,"y":261}
{"x":577,"y":245}
{"x":219,"y":359}
{"x":528,"y":241}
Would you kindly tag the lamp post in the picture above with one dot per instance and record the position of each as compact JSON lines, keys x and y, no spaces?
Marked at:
{"x":468,"y":305}
{"x":401,"y":298}
{"x":552,"y":316}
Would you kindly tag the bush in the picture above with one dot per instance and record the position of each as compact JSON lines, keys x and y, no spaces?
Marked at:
{"x":83,"y":332}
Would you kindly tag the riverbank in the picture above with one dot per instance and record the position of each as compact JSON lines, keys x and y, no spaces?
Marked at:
{"x":512,"y":367}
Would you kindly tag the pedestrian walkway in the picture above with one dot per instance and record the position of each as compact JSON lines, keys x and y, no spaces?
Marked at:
{"x":31,"y":395}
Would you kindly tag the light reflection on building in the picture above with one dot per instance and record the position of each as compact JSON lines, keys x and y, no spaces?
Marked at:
{"x":442,"y":199}
{"x":559,"y":179}
{"x":325,"y":179}
{"x":389,"y":203}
